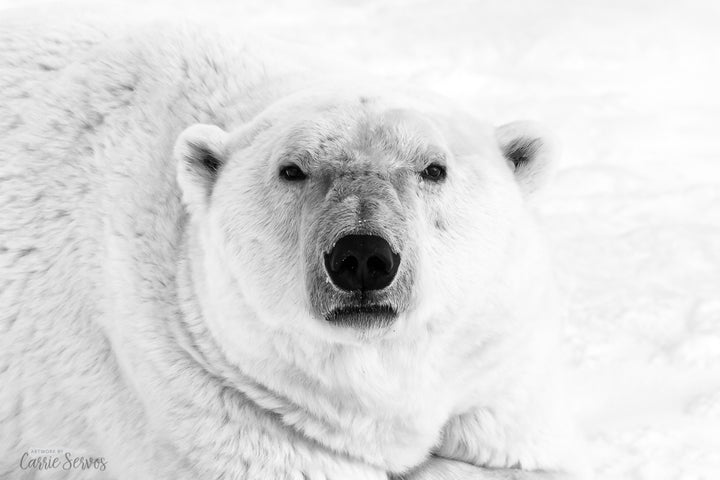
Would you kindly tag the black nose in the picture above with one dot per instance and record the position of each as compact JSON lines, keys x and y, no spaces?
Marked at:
{"x":362,"y":262}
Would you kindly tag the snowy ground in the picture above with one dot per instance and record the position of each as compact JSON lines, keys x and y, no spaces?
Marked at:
{"x":631,"y":89}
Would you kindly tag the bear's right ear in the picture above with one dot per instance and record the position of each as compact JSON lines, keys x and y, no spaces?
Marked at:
{"x":529,"y":152}
{"x":200,"y":154}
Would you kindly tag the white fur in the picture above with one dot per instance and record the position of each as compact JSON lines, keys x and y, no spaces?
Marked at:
{"x":128,"y":331}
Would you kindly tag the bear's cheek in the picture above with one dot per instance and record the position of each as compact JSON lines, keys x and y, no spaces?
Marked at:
{"x":260,"y":225}
{"x":463,"y":237}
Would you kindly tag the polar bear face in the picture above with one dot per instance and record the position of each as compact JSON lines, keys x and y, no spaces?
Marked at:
{"x":353,"y":217}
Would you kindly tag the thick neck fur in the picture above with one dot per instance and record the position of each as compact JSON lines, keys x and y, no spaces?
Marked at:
{"x":337,"y":395}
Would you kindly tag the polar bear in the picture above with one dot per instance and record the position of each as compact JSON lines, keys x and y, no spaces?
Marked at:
{"x":213,"y":267}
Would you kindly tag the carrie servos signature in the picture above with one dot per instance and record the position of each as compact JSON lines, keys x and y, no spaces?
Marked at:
{"x":59,"y":459}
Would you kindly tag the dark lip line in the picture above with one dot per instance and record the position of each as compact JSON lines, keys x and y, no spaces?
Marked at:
{"x":340,"y":312}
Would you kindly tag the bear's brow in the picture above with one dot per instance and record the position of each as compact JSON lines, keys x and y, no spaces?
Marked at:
{"x":331,"y":147}
{"x":427,"y":154}
{"x":302,"y":156}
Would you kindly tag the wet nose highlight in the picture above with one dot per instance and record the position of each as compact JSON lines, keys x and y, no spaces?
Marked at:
{"x":362,"y":262}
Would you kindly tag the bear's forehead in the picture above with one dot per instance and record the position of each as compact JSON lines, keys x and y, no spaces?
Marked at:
{"x":395,"y":135}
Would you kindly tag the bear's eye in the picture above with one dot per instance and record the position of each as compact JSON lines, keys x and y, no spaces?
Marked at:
{"x":292,"y":173}
{"x":434,"y":173}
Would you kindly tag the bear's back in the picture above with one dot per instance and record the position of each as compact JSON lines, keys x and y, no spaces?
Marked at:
{"x":86,"y":175}
{"x":87,"y":189}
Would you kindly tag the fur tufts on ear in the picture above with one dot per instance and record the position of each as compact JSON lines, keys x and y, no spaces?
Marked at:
{"x":528,"y":152}
{"x":200,"y":155}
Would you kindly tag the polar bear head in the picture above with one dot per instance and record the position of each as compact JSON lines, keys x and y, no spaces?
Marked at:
{"x":352,"y":217}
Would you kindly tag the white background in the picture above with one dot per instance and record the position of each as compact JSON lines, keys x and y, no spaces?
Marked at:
{"x":633,"y":216}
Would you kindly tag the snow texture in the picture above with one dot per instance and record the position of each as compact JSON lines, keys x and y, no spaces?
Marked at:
{"x":633,"y":216}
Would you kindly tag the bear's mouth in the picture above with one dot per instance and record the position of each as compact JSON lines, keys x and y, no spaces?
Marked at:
{"x":362,"y":316}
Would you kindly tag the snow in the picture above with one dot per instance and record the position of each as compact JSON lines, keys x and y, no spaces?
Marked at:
{"x":631,"y":90}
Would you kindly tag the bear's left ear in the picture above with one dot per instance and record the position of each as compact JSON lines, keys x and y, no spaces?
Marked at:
{"x":200,"y":154}
{"x":529,"y":154}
